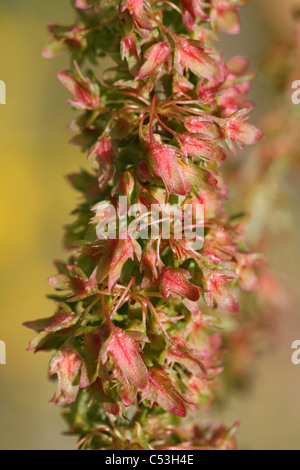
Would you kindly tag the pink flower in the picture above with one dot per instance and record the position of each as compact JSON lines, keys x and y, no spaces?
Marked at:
{"x":122,"y":251}
{"x":163,"y":392}
{"x":151,"y":263}
{"x":175,"y":282}
{"x":180,"y":352}
{"x":166,"y":164}
{"x":129,"y":326}
{"x":75,"y":281}
{"x":190,"y":55}
{"x":192,"y":9}
{"x":62,"y":320}
{"x":232,"y":95}
{"x":195,"y":146}
{"x":131,"y":53}
{"x":85,"y":94}
{"x":106,"y":155}
{"x":156,"y":57}
{"x":217,"y":285}
{"x":136,"y":9}
{"x":236,"y":129}
{"x":66,"y":364}
{"x":246,"y":272}
{"x":115,"y":253}
{"x":64,"y":38}
{"x":124,"y":348}
{"x":200,"y":393}
{"x":225,"y":16}
{"x":207,"y":129}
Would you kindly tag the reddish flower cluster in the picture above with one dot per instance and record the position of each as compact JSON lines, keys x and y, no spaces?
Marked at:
{"x":137,"y":320}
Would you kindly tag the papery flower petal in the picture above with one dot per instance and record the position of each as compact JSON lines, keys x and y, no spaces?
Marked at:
{"x":174,"y":281}
{"x":166,"y":165}
{"x":189,"y":358}
{"x":188,"y":14}
{"x":238,"y":65}
{"x":245,"y":269}
{"x":208,"y":130}
{"x":193,"y":307}
{"x":150,"y":265}
{"x":156,"y":57}
{"x":191,"y":56}
{"x":163,"y":392}
{"x":217,"y":285}
{"x":84,"y":94}
{"x":243,"y":133}
{"x":126,"y":353}
{"x":76,"y":281}
{"x":192,"y":9}
{"x":200,"y":393}
{"x":227,"y":20}
{"x":130,"y":52}
{"x":106,"y":155}
{"x":136,"y":9}
{"x":66,"y":364}
{"x":194,"y":145}
{"x":62,"y":320}
{"x":64,"y":38}
{"x":54,"y":48}
{"x":232,"y":98}
{"x":122,"y":251}
{"x":199,"y":177}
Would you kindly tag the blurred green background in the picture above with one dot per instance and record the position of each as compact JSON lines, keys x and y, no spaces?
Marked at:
{"x":36,"y":201}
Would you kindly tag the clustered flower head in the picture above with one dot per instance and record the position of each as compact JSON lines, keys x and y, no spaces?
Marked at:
{"x":138,"y":329}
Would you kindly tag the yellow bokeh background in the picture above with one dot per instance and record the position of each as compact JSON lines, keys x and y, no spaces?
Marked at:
{"x":35,"y":202}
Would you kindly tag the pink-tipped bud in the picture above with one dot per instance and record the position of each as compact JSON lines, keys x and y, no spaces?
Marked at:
{"x":156,"y":57}
{"x":106,"y":155}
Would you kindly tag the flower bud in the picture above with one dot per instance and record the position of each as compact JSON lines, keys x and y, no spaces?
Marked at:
{"x":156,"y":57}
